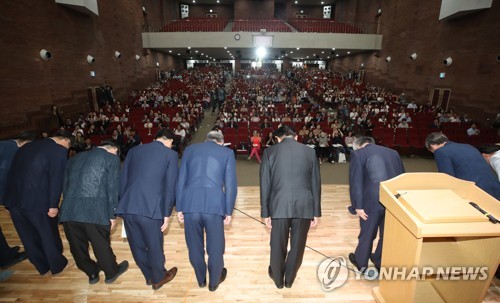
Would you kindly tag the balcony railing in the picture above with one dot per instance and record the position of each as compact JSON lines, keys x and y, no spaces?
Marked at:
{"x":293,"y":25}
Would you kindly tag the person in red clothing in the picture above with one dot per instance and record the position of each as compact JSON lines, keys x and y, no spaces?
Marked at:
{"x":256,"y":143}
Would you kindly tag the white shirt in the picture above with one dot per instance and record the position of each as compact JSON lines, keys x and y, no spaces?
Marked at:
{"x":495,"y":163}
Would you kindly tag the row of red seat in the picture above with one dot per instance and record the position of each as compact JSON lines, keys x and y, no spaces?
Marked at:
{"x":257,"y":25}
{"x":196,"y":25}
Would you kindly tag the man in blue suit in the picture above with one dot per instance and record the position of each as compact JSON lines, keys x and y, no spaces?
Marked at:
{"x":206,"y":193}
{"x":10,"y":256}
{"x":462,"y":161}
{"x":147,"y":195}
{"x":34,"y":188}
{"x":370,"y":164}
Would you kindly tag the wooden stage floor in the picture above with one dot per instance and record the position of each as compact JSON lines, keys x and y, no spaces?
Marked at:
{"x":246,"y":258}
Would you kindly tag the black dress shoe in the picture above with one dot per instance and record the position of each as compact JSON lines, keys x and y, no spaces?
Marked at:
{"x":352,"y":258}
{"x":288,"y":285}
{"x":149,"y":282}
{"x":222,"y":278}
{"x":122,"y":267}
{"x":19,"y":257}
{"x":203,"y":284}
{"x":169,"y":276}
{"x":270,"y":272}
{"x":94,"y":278}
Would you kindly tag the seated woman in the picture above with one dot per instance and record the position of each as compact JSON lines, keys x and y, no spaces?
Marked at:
{"x":256,"y":143}
{"x":271,"y":140}
{"x":348,"y":141}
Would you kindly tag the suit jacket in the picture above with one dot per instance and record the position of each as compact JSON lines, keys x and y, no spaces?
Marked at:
{"x":465,"y":162}
{"x":8,"y":150}
{"x":147,"y":181}
{"x":290,"y":181}
{"x":91,"y":187}
{"x":36,"y":176}
{"x":368,"y":167}
{"x":207,"y":180}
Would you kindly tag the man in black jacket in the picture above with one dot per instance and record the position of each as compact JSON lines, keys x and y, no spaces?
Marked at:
{"x":90,"y":196}
{"x":290,"y":193}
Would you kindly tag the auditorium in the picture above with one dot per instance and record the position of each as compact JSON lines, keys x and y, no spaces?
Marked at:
{"x":416,"y":77}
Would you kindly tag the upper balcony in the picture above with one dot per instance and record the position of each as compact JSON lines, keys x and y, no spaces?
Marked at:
{"x":295,"y":38}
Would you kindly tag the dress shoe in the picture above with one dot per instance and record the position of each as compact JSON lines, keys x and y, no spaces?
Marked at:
{"x":270,"y":272}
{"x":352,"y":258}
{"x":19,"y":257}
{"x":94,"y":278}
{"x":222,"y":278}
{"x":288,"y":285}
{"x":203,"y":284}
{"x":122,"y":267}
{"x":168,"y":277}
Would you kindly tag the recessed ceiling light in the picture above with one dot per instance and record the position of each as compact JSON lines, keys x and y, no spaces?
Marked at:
{"x":322,"y":52}
{"x":178,"y":54}
{"x":298,"y":48}
{"x":333,"y":48}
{"x":225,"y":47}
{"x":296,"y":2}
{"x":195,"y":51}
{"x":291,"y":52}
{"x":348,"y":53}
{"x":202,"y":54}
{"x":337,"y":55}
{"x":328,"y":57}
{"x":218,"y":1}
{"x":194,"y":1}
{"x":322,"y":2}
{"x":170,"y":51}
{"x":189,"y":47}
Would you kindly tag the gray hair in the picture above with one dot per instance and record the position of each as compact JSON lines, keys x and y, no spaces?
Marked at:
{"x":215,"y":136}
{"x":360,"y":141}
{"x":436,"y":138}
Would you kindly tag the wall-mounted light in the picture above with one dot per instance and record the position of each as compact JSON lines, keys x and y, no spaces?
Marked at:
{"x":137,"y":57}
{"x":388,"y":59}
{"x":117,"y":55}
{"x":413,"y":56}
{"x":379,"y":12}
{"x":448,"y":61}
{"x":144,"y":10}
{"x":45,"y":55}
{"x":158,"y":64}
{"x":90,"y":59}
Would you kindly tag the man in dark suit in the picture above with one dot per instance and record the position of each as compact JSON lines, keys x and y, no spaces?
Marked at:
{"x":90,"y":196}
{"x":147,"y":195}
{"x":290,"y":198}
{"x":10,"y":256}
{"x":370,"y":164}
{"x":462,"y":161}
{"x":206,"y":193}
{"x":34,"y":187}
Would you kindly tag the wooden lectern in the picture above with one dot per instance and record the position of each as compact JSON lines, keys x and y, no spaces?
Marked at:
{"x":430,"y":223}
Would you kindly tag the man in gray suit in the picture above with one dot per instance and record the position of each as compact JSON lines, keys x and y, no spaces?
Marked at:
{"x":290,"y":197}
{"x":90,"y":196}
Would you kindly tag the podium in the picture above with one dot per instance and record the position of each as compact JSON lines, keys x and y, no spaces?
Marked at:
{"x":430,"y":227}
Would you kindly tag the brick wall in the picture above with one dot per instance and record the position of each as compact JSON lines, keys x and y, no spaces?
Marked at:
{"x":408,"y":26}
{"x":30,"y":85}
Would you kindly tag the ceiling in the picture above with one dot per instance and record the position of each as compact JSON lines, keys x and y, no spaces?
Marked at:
{"x":250,"y":53}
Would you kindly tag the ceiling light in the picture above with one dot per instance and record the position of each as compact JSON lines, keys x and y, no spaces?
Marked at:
{"x":348,"y":53}
{"x":178,"y":54}
{"x":337,"y":55}
{"x":298,"y":48}
{"x":189,"y":47}
{"x":225,"y":47}
{"x":322,"y":2}
{"x":322,"y":52}
{"x":296,"y":2}
{"x":333,"y":48}
{"x":195,"y":51}
{"x":261,"y":52}
{"x":170,"y":51}
{"x":291,"y":52}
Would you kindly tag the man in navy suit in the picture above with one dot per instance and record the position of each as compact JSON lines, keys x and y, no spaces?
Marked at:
{"x":10,"y":256}
{"x":147,"y":195}
{"x":370,"y":164}
{"x":462,"y":161}
{"x":34,"y":188}
{"x":206,"y":193}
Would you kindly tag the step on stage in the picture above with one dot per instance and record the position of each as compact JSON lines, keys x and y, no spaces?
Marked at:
{"x":246,"y":258}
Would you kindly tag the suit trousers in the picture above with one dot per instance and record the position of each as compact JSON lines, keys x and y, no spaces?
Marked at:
{"x":195,"y":226}
{"x":146,"y":243}
{"x":368,"y":233}
{"x":285,"y":264}
{"x":6,"y":252}
{"x":79,"y":235}
{"x":41,"y":239}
